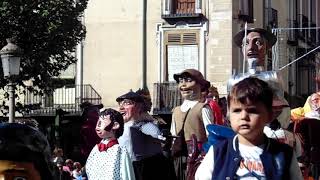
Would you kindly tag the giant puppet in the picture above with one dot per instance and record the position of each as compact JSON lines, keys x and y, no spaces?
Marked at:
{"x":108,"y":160}
{"x":254,"y":43}
{"x":189,"y":119}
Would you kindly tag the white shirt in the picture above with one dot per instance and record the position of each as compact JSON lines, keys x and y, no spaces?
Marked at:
{"x":112,"y":164}
{"x":207,"y":115}
{"x":251,"y":162}
{"x":285,"y":136}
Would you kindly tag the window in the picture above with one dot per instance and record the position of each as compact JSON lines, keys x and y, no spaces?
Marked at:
{"x":181,"y":52}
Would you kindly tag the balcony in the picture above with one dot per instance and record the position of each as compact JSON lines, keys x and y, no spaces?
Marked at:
{"x":308,"y":32}
{"x":293,"y":33}
{"x":66,"y":98}
{"x":172,"y":9}
{"x":245,"y":12}
{"x":166,"y":96}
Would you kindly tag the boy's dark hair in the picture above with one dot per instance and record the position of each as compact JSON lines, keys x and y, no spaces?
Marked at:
{"x":23,"y":143}
{"x":252,"y":90}
{"x":115,"y":116}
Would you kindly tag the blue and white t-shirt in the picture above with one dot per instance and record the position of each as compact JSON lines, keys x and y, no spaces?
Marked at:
{"x":251,"y":167}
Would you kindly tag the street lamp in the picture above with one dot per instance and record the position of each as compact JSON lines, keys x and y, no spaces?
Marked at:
{"x":10,"y":56}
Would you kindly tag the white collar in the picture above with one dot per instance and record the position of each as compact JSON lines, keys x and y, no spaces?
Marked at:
{"x":236,"y":137}
{"x":187,"y":104}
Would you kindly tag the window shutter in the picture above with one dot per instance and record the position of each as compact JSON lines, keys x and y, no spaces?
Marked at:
{"x":174,"y":38}
{"x":182,"y":38}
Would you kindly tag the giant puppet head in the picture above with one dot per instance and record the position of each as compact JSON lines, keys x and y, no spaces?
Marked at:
{"x":110,"y":124}
{"x":256,"y":44}
{"x":191,"y":83}
{"x":131,"y":106}
{"x":24,"y":153}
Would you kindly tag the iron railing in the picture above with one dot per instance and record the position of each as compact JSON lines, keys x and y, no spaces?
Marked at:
{"x":181,"y":8}
{"x":166,"y":96}
{"x":67,"y":99}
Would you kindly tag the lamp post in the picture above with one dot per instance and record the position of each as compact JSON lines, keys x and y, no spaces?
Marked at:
{"x":10,"y":57}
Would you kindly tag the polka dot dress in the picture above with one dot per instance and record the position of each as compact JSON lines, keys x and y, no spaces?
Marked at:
{"x":108,"y":165}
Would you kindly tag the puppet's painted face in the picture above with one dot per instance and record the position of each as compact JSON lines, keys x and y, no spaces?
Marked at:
{"x":128,"y":109}
{"x":189,"y":88}
{"x":255,"y":47}
{"x":12,"y":170}
{"x":104,"y":127}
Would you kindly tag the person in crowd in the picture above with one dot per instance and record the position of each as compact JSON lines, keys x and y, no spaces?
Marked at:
{"x":61,"y":174}
{"x":310,"y":105}
{"x":307,"y":130}
{"x":108,"y":160}
{"x":89,"y":138}
{"x":190,"y":118}
{"x":141,"y":138}
{"x":68,"y":167}
{"x":314,"y":102}
{"x":84,"y":173}
{"x":249,"y":154}
{"x":280,"y":132}
{"x":57,"y":156}
{"x":77,"y":171}
{"x":212,"y":98}
{"x":24,"y":153}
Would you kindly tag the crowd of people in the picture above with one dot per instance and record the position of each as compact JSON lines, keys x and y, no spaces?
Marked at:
{"x":66,"y":169}
{"x":259,"y":137}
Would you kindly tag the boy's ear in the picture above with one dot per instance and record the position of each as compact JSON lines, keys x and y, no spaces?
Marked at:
{"x":116,"y":125}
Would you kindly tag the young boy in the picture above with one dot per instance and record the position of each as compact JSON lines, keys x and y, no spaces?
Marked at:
{"x":107,"y":159}
{"x":249,"y":154}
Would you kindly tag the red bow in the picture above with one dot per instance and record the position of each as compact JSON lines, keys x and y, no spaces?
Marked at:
{"x":104,"y":147}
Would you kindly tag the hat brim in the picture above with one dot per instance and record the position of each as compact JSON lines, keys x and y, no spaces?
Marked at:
{"x":271,"y":38}
{"x":204,"y":83}
{"x":132,"y":96}
{"x":178,"y":75}
{"x":279,"y":103}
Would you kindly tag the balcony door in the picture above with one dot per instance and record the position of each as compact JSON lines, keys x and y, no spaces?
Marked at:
{"x":182,"y":52}
{"x":182,"y":57}
{"x":184,"y":6}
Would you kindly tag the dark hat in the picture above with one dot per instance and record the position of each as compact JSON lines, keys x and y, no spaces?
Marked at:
{"x":279,"y":101}
{"x":130,"y":95}
{"x":194,"y":74}
{"x":271,"y":38}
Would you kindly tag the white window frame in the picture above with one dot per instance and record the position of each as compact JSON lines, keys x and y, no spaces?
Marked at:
{"x":202,"y":28}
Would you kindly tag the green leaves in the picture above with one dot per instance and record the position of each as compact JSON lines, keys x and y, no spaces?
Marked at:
{"x":47,"y":31}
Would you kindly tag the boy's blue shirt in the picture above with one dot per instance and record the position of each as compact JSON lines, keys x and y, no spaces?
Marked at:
{"x":276,"y":159}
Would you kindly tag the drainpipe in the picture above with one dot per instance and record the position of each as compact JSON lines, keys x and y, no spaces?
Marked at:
{"x":79,"y":70}
{"x":144,"y":44}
